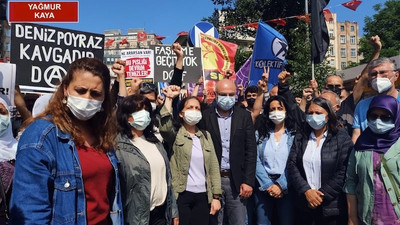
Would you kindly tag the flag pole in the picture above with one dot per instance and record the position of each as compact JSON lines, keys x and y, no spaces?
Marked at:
{"x":312,"y":40}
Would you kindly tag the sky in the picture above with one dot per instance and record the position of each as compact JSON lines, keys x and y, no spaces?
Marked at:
{"x":169,"y":17}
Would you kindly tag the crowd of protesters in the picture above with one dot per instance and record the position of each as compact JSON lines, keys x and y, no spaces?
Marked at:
{"x":99,"y":153}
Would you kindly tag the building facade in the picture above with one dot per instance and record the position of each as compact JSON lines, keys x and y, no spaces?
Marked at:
{"x":115,"y":41}
{"x":344,"y":43}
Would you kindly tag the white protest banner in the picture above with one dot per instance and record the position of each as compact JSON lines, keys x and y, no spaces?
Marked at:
{"x":139,"y":63}
{"x":7,"y":80}
{"x":43,"y":53}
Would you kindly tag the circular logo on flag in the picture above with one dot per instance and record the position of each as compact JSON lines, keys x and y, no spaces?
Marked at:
{"x":279,"y":48}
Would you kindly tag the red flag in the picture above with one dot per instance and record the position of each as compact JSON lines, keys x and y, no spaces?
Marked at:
{"x":228,"y":27}
{"x":305,"y":18}
{"x":141,"y":36}
{"x":328,"y":15}
{"x":124,"y":41}
{"x":109,"y":42}
{"x":160,"y":38}
{"x":278,"y":21}
{"x":252,"y":25}
{"x":182,"y":33}
{"x":352,"y":4}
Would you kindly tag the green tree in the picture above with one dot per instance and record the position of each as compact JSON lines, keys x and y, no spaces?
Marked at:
{"x":384,"y":23}
{"x":299,"y":57}
{"x":237,"y":12}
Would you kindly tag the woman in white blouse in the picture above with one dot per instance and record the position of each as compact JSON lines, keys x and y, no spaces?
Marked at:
{"x":317,"y":165}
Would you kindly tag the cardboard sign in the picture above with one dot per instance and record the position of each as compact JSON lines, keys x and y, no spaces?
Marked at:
{"x":139,"y":63}
{"x":7,"y":80}
{"x":43,"y":54}
{"x":165,"y":60}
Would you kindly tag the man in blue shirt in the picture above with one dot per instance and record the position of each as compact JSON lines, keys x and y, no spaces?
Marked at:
{"x":382,"y":75}
{"x":233,"y":136}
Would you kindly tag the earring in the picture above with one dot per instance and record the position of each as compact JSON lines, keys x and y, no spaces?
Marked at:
{"x":64,"y":101}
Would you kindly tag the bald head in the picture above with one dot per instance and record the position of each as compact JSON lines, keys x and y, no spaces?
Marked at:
{"x":226,"y":87}
{"x":274,"y":91}
{"x":332,"y":98}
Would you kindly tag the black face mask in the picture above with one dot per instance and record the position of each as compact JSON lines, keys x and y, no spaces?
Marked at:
{"x":250,"y":102}
{"x":336,"y":89}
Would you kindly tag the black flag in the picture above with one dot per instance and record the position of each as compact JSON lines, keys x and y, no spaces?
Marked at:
{"x":320,"y":36}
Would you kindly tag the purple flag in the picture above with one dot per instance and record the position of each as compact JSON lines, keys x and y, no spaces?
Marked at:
{"x":242,"y":75}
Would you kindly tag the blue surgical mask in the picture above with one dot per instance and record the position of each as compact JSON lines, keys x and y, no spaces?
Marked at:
{"x":316,"y":121}
{"x":380,"y":127}
{"x":4,"y":123}
{"x":141,"y":119}
{"x":225,"y":102}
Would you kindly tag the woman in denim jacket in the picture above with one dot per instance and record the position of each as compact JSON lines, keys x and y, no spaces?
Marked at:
{"x":66,"y":171}
{"x":372,"y":186}
{"x":148,"y":197}
{"x":275,"y":133}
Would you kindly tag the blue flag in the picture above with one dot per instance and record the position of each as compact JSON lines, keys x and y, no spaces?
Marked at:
{"x":270,"y":50}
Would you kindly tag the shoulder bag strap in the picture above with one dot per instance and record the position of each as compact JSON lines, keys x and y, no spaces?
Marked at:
{"x":395,"y":188}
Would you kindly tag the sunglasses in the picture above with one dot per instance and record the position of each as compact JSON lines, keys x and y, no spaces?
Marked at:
{"x":384,"y":118}
{"x":147,"y":88}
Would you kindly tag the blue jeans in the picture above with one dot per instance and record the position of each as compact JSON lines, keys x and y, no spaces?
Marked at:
{"x":233,"y":209}
{"x":264,"y":210}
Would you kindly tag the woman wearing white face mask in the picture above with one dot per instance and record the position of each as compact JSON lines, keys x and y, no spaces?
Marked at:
{"x":317,"y":165}
{"x":8,"y":149}
{"x":275,"y":134}
{"x":372,"y":182}
{"x":66,"y":168}
{"x":147,"y":193}
{"x":195,"y":171}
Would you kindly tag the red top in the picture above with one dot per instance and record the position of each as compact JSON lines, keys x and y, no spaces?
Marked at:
{"x":97,"y":174}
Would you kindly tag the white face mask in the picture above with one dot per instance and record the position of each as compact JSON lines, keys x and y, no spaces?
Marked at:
{"x":153,"y":106}
{"x":4,"y":123}
{"x":192,"y":117}
{"x":277,"y":117}
{"x":381,"y":85}
{"x":83,"y":108}
{"x":141,"y":119}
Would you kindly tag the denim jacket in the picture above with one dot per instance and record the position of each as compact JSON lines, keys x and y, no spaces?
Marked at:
{"x":48,"y":186}
{"x":261,"y":174}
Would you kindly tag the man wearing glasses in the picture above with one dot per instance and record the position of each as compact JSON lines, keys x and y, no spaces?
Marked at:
{"x":382,"y":76}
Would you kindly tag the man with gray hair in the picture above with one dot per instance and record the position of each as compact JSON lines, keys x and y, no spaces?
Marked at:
{"x":382,"y":76}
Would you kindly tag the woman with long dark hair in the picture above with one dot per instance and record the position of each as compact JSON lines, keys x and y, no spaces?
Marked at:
{"x":275,"y":133}
{"x":195,"y":170}
{"x":66,"y":168}
{"x":317,"y":166}
{"x":147,"y":194}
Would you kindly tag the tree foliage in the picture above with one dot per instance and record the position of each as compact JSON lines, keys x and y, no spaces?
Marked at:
{"x":386,"y":24}
{"x":238,"y":12}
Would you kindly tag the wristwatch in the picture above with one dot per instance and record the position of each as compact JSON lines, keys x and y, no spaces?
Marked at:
{"x":216,"y":197}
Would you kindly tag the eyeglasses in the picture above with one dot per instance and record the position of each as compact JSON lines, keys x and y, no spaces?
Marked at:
{"x":382,"y":72}
{"x":147,"y":88}
{"x":331,"y":86}
{"x":384,"y":118}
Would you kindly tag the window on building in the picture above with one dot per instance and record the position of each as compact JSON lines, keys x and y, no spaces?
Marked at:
{"x":331,"y":33}
{"x":332,"y":63}
{"x":343,"y":52}
{"x":343,"y":65}
{"x":353,"y":40}
{"x":353,"y":53}
{"x":331,"y":21}
{"x":331,"y":51}
{"x":342,"y":39}
{"x":352,"y":28}
{"x":341,"y":28}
